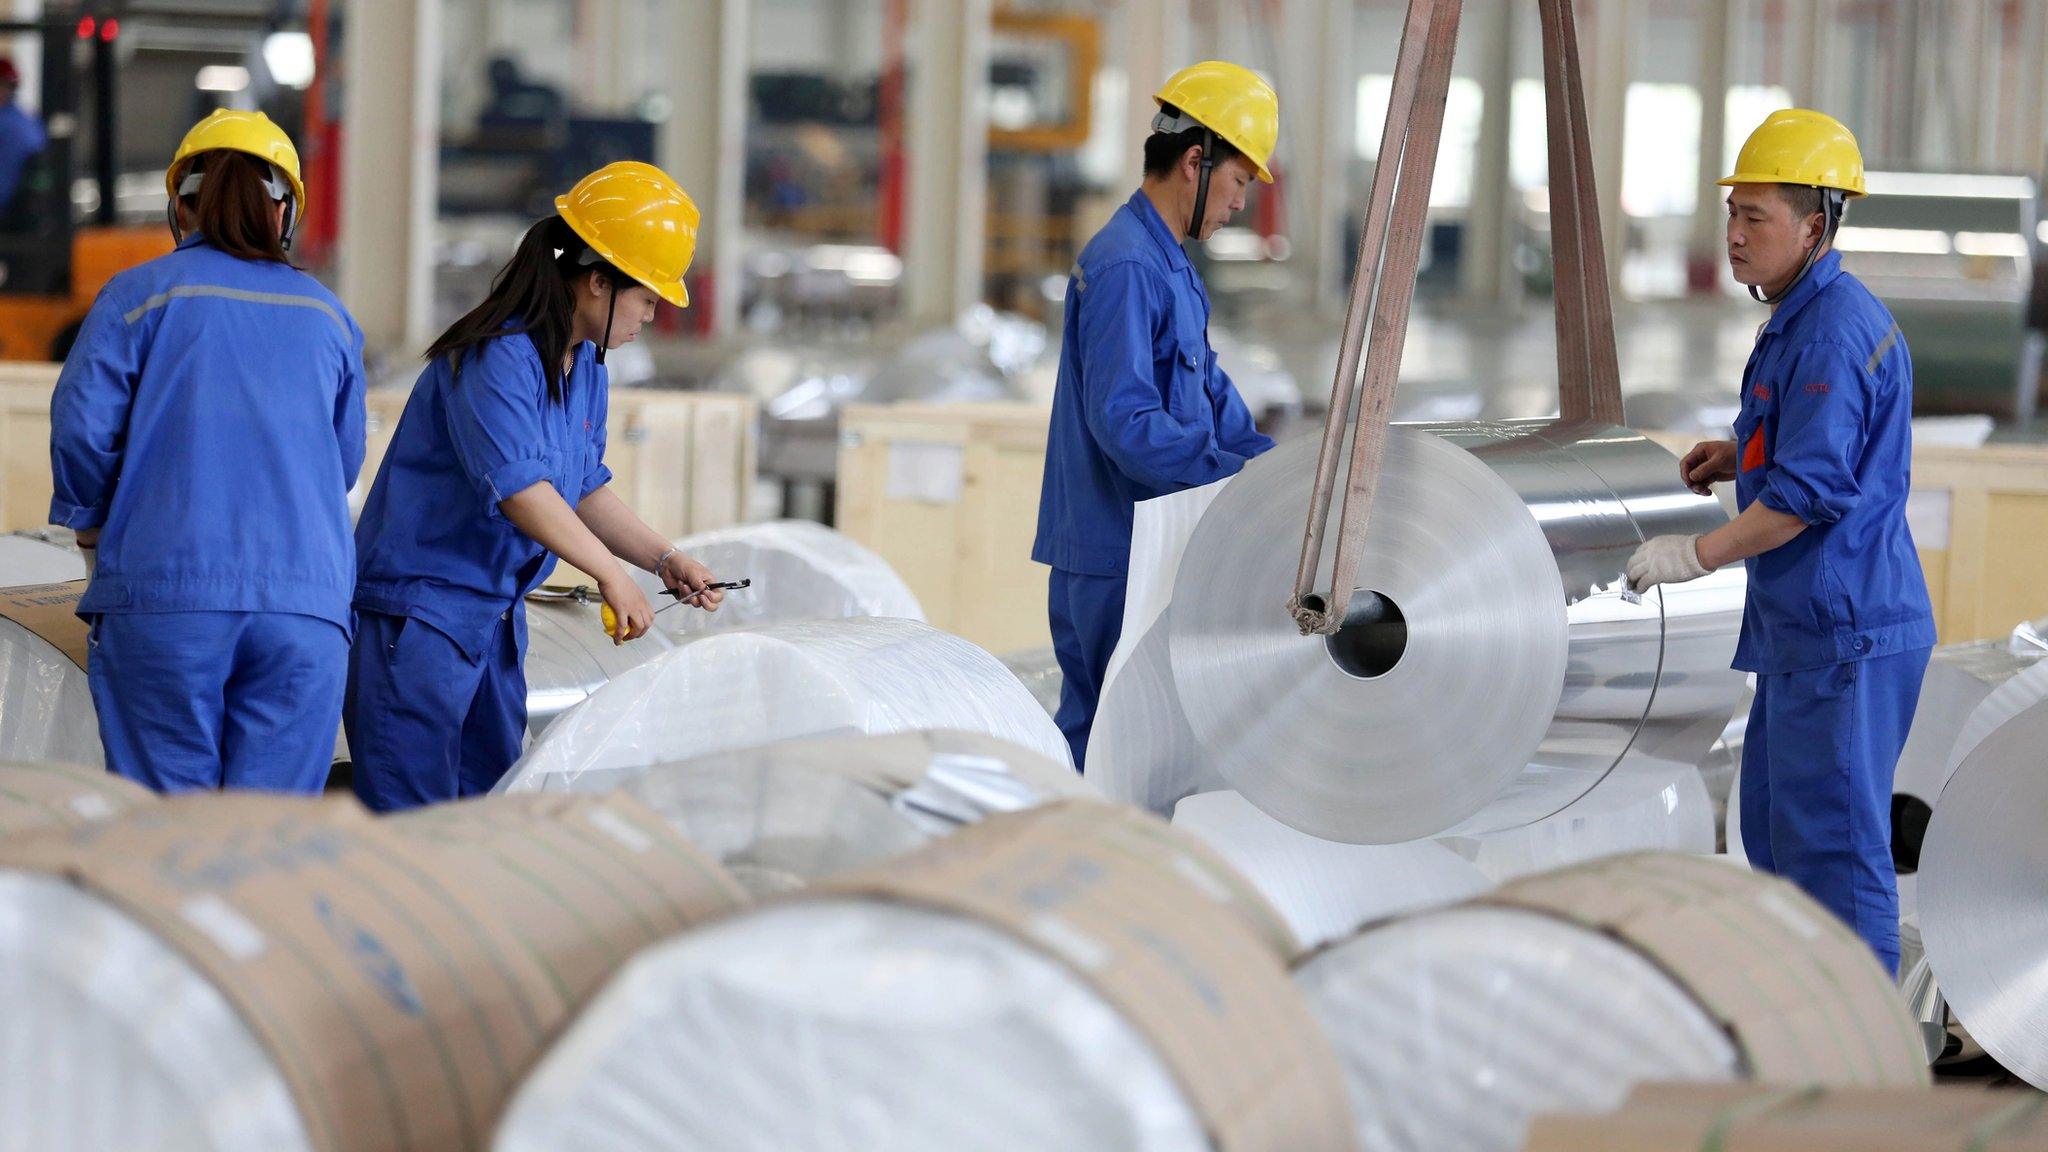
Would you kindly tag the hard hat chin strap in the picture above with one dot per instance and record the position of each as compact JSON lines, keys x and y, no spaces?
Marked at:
{"x":1181,"y":122}
{"x":590,"y":257}
{"x":1833,"y":204}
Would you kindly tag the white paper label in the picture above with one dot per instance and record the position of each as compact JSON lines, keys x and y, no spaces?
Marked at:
{"x":929,"y":473}
{"x":91,"y":806}
{"x":229,"y":930}
{"x":615,"y":826}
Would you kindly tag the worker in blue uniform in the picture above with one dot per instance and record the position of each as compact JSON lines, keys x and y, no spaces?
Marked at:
{"x":1838,"y":626}
{"x":496,"y":468}
{"x":204,"y":434}
{"x":1141,"y":408}
{"x":21,"y":135}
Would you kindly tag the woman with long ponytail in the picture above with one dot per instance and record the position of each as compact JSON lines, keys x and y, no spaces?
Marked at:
{"x":204,"y":434}
{"x":496,"y":468}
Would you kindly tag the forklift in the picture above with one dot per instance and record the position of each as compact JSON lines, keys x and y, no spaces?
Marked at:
{"x":51,"y":265}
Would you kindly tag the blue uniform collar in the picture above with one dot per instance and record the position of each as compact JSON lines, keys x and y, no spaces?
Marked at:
{"x":1155,"y":226}
{"x":1822,"y":274}
{"x":192,"y":240}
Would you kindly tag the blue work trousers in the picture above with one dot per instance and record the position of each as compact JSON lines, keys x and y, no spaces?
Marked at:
{"x":192,"y":701}
{"x":1087,"y":614}
{"x":425,"y":722}
{"x":1817,"y":786}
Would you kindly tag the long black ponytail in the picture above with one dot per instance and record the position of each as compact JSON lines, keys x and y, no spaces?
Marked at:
{"x":532,"y":293}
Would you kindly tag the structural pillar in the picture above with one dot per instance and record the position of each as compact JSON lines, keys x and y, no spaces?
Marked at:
{"x":945,"y":224}
{"x":1489,"y":223}
{"x":703,"y":144}
{"x":1615,"y":26}
{"x":391,"y":130}
{"x":1155,"y":46}
{"x":1317,"y":117}
{"x":1715,"y":28}
{"x":1811,"y":76}
{"x":26,"y":50}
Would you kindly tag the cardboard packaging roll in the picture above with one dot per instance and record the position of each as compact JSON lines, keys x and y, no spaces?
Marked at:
{"x":1559,"y":991}
{"x":730,"y":690}
{"x":1075,"y":976}
{"x":251,"y":972}
{"x":34,"y":796}
{"x":1772,"y":1118}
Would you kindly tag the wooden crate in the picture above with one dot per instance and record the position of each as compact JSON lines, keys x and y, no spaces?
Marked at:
{"x":1980,"y":523}
{"x":948,"y":495}
{"x":683,"y":460}
{"x":25,"y":483}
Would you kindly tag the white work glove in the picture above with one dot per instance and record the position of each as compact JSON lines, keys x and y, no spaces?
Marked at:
{"x":1665,"y":560}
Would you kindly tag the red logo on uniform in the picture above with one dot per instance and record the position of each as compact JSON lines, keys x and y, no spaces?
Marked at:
{"x":1761,"y":391}
{"x":1816,"y":388}
{"x":1754,"y":454}
{"x":586,"y":425}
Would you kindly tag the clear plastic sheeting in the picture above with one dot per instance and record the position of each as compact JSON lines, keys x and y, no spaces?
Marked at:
{"x":782,"y":815}
{"x":1038,"y":669}
{"x":1508,"y":672}
{"x":1649,"y":807}
{"x":1323,"y":888}
{"x":113,"y":1041}
{"x":46,"y":709}
{"x":733,"y":690}
{"x":800,"y":570}
{"x":850,"y":1026}
{"x":1457,"y":1027}
{"x":40,"y":557}
{"x":569,"y":656}
{"x":1984,"y":894}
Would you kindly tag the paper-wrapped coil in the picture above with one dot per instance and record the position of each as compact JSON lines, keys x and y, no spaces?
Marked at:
{"x":730,"y":690}
{"x":801,"y":570}
{"x":263,"y":973}
{"x":1493,"y":672}
{"x":781,"y":815}
{"x":1558,"y":992}
{"x":1984,"y":894}
{"x":1001,"y":989}
{"x":1325,"y":888}
{"x":34,"y":796}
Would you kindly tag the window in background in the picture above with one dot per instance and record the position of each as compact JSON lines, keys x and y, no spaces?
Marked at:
{"x":1457,"y":154}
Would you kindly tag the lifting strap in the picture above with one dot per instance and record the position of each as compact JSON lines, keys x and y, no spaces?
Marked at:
{"x":1390,"y":251}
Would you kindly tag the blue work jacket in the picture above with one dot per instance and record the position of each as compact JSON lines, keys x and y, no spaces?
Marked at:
{"x":1825,"y":434}
{"x":209,"y":421}
{"x":434,"y":544}
{"x":1141,"y":408}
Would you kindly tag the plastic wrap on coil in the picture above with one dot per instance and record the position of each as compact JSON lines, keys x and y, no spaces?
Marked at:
{"x":978,"y":995}
{"x":801,"y":571}
{"x":1511,"y":673}
{"x":781,"y":815}
{"x":730,"y":690}
{"x":1984,"y":893}
{"x":44,"y":556}
{"x":35,"y":796}
{"x":46,"y":709}
{"x":569,"y":656}
{"x":1560,"y":991}
{"x":1038,"y":669}
{"x":1651,"y":807}
{"x":1326,"y":889}
{"x":850,"y":1025}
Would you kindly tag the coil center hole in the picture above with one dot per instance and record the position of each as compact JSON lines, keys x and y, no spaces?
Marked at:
{"x":1373,"y":638}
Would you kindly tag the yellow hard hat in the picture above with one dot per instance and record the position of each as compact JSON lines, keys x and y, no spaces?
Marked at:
{"x":640,"y":220}
{"x":227,"y":130}
{"x":1231,"y":101}
{"x":1800,"y":146}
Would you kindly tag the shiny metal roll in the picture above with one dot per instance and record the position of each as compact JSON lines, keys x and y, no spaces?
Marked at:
{"x":569,"y":656}
{"x":1984,"y":894}
{"x":1506,"y":672}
